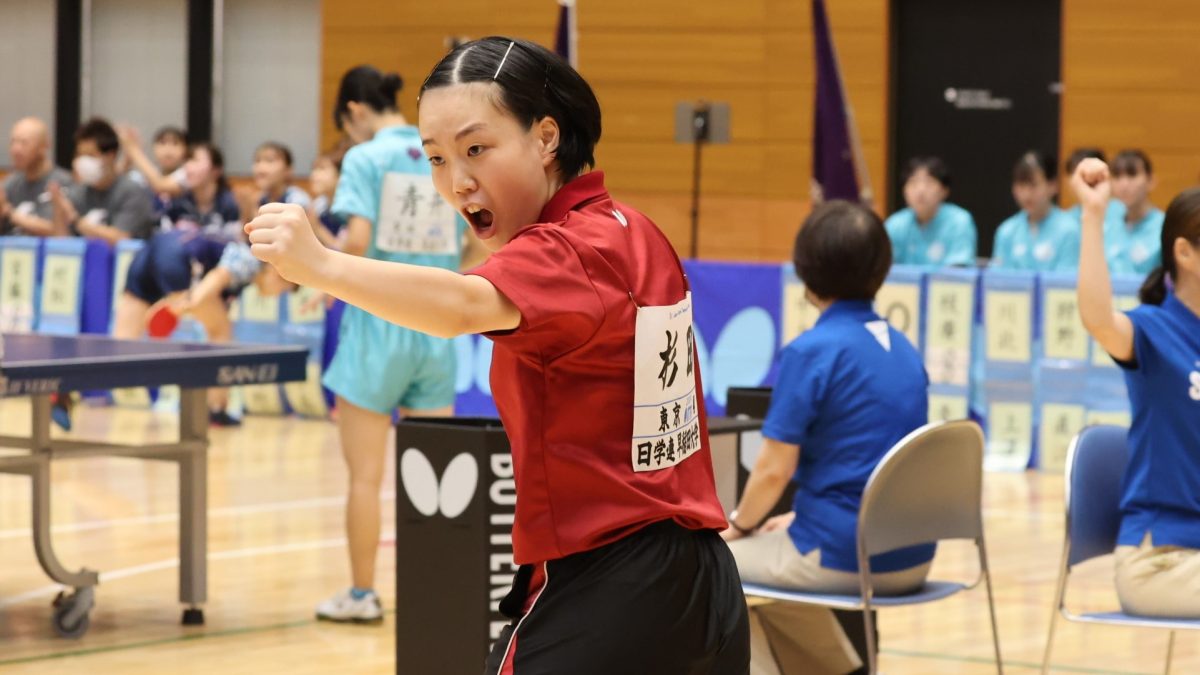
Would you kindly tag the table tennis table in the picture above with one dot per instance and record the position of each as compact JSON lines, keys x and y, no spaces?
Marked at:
{"x":39,"y":366}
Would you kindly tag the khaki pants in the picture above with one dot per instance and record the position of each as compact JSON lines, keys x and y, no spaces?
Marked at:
{"x":789,"y":638}
{"x":1161,"y":581}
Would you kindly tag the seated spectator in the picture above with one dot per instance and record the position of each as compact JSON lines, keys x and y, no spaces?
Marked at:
{"x":930,"y":231}
{"x":25,"y":204}
{"x":848,"y":389}
{"x":164,"y":177}
{"x":1041,"y":237}
{"x":1132,"y":237}
{"x":102,"y":204}
{"x":323,"y":180}
{"x":1157,"y":556}
{"x":202,"y":246}
{"x":208,"y":205}
{"x":273,"y":176}
{"x":1115,"y":208}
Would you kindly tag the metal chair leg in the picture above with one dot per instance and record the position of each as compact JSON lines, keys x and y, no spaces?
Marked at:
{"x":872,"y":648}
{"x":987,"y":578}
{"x":1060,"y":594}
{"x":1170,"y":651}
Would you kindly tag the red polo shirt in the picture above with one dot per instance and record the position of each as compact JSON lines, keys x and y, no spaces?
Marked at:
{"x":563,"y":379}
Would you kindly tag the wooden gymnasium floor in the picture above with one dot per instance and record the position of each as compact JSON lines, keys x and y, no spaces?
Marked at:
{"x":276,"y":547}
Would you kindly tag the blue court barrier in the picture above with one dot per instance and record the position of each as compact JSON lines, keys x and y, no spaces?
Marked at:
{"x":1004,"y":348}
{"x":949,"y":344}
{"x":1063,"y":365}
{"x":1106,"y":399}
{"x":1009,"y":336}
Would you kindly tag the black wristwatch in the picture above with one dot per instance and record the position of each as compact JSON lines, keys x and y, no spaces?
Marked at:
{"x":733,"y":523}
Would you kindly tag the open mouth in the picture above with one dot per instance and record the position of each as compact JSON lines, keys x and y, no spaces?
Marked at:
{"x":480,"y":220}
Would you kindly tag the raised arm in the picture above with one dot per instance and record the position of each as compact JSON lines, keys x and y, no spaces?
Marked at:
{"x":1110,"y":328}
{"x":131,"y":144}
{"x":426,"y":299}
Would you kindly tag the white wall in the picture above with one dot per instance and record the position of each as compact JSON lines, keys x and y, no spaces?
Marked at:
{"x":138,"y":63}
{"x":270,"y":71}
{"x":27,"y":39}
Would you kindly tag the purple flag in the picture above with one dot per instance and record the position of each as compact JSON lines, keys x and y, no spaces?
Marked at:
{"x":833,"y":151}
{"x":565,"y":36}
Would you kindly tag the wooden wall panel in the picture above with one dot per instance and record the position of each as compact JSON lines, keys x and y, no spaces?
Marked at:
{"x":1129,"y":82}
{"x":643,"y":57}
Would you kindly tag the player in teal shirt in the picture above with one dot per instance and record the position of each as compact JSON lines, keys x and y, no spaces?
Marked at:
{"x":930,"y":231}
{"x":1132,"y":239}
{"x":394,"y":213}
{"x":1041,"y":237}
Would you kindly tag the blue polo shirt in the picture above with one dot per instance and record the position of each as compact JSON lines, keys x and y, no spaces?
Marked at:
{"x":848,"y":389}
{"x":1133,"y":248}
{"x":947,"y":240}
{"x":1161,"y":488}
{"x":1053,"y":246}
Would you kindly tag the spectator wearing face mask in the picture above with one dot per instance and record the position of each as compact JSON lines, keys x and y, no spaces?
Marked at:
{"x":103,"y":204}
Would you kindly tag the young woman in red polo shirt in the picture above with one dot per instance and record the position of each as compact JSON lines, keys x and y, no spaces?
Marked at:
{"x":593,"y":372}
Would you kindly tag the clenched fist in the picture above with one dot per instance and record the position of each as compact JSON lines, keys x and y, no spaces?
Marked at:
{"x":1092,"y":185}
{"x":282,"y":236}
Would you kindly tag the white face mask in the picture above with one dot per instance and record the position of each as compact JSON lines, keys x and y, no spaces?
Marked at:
{"x":89,"y":169}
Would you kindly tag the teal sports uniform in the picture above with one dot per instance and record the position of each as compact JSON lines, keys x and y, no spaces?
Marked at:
{"x":947,"y":240}
{"x":1133,"y":249}
{"x":379,"y":365}
{"x":1053,"y":247}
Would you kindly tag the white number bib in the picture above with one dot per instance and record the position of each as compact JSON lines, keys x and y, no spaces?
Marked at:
{"x":413,"y":218}
{"x":666,"y":413}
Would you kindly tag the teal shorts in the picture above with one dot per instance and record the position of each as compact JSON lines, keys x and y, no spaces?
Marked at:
{"x":381,"y":366}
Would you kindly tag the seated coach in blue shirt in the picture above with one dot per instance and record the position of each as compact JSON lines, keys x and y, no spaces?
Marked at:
{"x":848,"y":389}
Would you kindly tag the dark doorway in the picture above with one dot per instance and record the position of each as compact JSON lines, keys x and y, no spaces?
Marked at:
{"x":977,"y":84}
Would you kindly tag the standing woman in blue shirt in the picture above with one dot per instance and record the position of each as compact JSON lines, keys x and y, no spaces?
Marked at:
{"x":1131,"y":236}
{"x":930,"y":231}
{"x":392,"y":212}
{"x":1040,"y":237}
{"x":1158,"y":346}
{"x":848,"y":389}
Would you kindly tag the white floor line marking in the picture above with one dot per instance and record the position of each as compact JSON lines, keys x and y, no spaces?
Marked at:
{"x":234,"y":554}
{"x":221,"y":512}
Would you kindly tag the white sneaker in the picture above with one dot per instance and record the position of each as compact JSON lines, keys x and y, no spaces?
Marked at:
{"x":343,"y":608}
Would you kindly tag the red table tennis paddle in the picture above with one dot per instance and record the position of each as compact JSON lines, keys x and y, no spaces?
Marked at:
{"x":162,"y":322}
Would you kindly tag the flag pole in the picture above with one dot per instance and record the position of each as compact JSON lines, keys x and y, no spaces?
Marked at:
{"x":865,"y":194}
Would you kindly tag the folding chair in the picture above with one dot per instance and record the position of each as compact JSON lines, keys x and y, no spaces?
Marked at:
{"x":1096,"y":463}
{"x":927,"y":488}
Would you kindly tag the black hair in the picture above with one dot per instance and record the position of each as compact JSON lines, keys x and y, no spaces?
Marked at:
{"x":1080,"y":154}
{"x":170,"y":133}
{"x":1033,"y":162}
{"x":99,"y":131}
{"x":278,"y":148}
{"x":1182,"y":220}
{"x":216,"y":157}
{"x":842,"y":252}
{"x":366,"y":85}
{"x":934,"y":166}
{"x":534,"y":83}
{"x":1131,"y":163}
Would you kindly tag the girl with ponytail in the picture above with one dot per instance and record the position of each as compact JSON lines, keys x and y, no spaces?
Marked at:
{"x":1158,"y":347}
{"x":392,"y":211}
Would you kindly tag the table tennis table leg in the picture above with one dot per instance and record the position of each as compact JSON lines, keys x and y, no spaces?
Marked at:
{"x":70,"y":610}
{"x":193,"y":505}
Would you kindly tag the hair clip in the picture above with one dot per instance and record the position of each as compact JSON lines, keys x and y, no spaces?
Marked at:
{"x":501,"y":66}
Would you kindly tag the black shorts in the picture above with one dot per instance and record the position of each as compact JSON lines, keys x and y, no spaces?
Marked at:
{"x":663,"y":601}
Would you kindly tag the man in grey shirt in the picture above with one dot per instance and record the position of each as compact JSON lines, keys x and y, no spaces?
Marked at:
{"x":103,"y":204}
{"x":25,"y":204}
